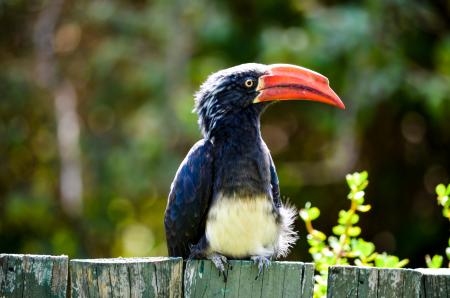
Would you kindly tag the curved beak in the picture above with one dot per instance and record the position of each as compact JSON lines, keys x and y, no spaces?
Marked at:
{"x":291,"y":82}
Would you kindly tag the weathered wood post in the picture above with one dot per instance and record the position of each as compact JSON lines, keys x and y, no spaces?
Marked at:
{"x":282,"y":279}
{"x":353,"y":281}
{"x":127,"y":277}
{"x":33,"y":275}
{"x":47,"y":276}
{"x":436,"y":282}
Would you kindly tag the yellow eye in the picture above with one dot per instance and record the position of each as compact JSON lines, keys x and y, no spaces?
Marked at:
{"x":249,"y":83}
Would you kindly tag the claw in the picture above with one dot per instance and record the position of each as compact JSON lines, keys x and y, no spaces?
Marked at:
{"x":262,"y":262}
{"x":220,"y":262}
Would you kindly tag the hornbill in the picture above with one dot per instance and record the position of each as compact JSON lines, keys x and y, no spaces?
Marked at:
{"x":225,"y":199}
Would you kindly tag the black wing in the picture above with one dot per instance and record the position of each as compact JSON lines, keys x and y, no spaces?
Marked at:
{"x":275,"y":184}
{"x":189,"y":199}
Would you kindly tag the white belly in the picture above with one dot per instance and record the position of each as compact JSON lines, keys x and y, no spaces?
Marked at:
{"x":242,"y":227}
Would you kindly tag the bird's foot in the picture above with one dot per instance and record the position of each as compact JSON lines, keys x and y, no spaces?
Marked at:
{"x":262,"y":262}
{"x":221,"y":264}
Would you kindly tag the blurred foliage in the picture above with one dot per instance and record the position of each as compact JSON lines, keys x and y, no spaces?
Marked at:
{"x":443,"y":195}
{"x":134,"y":66}
{"x":344,"y":247}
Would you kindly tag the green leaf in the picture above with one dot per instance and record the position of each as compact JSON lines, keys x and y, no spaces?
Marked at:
{"x":443,"y":201}
{"x":313,"y":249}
{"x":351,"y":254}
{"x":344,"y":217}
{"x":304,"y":215}
{"x":363,"y":248}
{"x":372,"y":257}
{"x":357,"y":180}
{"x":447,"y":253}
{"x":364,"y":185}
{"x":319,"y":235}
{"x":334,"y":242}
{"x":363,"y":176}
{"x":313,"y":213}
{"x":312,"y":241}
{"x":363,"y":208}
{"x":446,"y":212}
{"x":382,"y":260}
{"x":402,"y":263}
{"x":359,"y":195}
{"x":435,"y":262}
{"x":338,"y":230}
{"x":359,"y":199}
{"x":354,"y":218}
{"x":441,"y":190}
{"x":388,"y":261}
{"x":350,"y":180}
{"x":357,"y":177}
{"x":354,"y":231}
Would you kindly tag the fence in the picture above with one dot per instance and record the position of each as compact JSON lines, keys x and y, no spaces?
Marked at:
{"x":56,"y":276}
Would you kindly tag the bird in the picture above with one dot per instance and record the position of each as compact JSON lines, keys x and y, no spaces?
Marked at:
{"x":224,"y":202}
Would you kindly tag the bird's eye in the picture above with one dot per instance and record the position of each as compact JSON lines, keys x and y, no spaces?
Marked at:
{"x":249,"y":83}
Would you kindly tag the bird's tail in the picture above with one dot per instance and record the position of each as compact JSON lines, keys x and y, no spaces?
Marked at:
{"x":288,"y":236}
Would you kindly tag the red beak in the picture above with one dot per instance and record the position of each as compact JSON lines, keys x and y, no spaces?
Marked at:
{"x":291,"y":82}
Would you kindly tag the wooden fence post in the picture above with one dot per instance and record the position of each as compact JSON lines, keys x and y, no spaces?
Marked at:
{"x":353,"y":281}
{"x":436,"y":282}
{"x":47,"y":276}
{"x":282,"y":279}
{"x":33,"y":275}
{"x":127,"y":277}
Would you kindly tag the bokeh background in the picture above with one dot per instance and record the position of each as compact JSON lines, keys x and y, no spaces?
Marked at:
{"x":96,"y":103}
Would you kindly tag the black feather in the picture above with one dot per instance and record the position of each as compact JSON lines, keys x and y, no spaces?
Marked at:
{"x":189,"y":200}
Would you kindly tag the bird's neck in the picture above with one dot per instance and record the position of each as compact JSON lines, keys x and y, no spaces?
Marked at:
{"x":242,"y":159}
{"x":242,"y":128}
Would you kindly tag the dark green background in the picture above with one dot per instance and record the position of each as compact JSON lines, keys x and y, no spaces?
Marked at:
{"x":134,"y":66}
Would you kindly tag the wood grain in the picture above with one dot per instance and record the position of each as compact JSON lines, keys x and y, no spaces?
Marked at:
{"x":353,"y":281}
{"x":33,"y":275}
{"x":127,"y":277}
{"x":281,"y":279}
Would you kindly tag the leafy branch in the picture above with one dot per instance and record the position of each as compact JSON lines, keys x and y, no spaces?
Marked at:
{"x":443,"y":194}
{"x":344,"y":247}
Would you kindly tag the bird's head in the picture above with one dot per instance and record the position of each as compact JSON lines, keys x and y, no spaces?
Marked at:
{"x":251,"y":87}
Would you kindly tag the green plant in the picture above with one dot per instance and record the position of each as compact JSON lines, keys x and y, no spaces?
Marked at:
{"x":344,"y":247}
{"x":443,"y":194}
